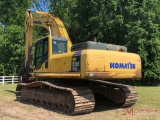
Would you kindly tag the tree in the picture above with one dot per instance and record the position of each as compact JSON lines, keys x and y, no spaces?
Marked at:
{"x":12,"y":49}
{"x":143,"y":35}
{"x":12,"y":35}
{"x":13,"y":11}
{"x":134,"y":23}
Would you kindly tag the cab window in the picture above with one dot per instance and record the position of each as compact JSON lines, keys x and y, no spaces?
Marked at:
{"x":59,"y":46}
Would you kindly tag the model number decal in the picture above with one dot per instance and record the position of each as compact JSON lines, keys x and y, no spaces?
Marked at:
{"x":76,"y":58}
{"x":76,"y":63}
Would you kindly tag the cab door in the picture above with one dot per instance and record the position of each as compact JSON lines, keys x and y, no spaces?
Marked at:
{"x":41,"y":55}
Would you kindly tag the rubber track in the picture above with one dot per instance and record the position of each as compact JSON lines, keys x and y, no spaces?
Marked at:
{"x":130,"y":93}
{"x":83,"y":98}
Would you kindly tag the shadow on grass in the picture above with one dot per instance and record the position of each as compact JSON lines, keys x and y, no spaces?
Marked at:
{"x":11,"y":91}
{"x":98,"y":108}
{"x":103,"y":104}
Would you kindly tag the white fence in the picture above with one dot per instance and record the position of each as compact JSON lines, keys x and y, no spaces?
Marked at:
{"x":9,"y":79}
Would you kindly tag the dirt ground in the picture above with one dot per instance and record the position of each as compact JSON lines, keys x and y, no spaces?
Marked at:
{"x":10,"y":109}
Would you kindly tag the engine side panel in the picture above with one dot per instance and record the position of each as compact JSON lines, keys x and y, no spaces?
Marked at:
{"x":100,"y":64}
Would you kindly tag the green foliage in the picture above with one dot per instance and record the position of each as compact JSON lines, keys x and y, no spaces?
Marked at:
{"x":133,"y":23}
{"x":12,"y":48}
{"x":13,"y":11}
{"x":143,"y":35}
{"x":12,"y":35}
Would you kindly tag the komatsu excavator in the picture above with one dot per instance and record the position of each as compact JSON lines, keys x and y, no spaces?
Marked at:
{"x":66,"y":77}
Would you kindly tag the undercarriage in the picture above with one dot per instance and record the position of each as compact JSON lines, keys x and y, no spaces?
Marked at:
{"x":75,"y":99}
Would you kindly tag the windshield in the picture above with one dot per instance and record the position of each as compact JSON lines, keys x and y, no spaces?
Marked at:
{"x":59,"y":46}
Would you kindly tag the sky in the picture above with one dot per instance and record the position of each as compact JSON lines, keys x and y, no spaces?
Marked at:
{"x":42,"y":5}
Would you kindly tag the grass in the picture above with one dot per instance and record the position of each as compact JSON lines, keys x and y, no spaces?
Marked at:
{"x":149,"y":97}
{"x":148,"y":100}
{"x":7,"y":90}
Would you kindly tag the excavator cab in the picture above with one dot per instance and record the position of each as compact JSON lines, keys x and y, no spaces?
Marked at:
{"x":43,"y":48}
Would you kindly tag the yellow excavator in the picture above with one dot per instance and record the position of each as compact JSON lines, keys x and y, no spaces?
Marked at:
{"x":67,"y":77}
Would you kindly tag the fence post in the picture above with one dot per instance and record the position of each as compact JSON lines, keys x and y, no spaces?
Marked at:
{"x":3,"y":80}
{"x":20,"y":79}
{"x":12,"y":79}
